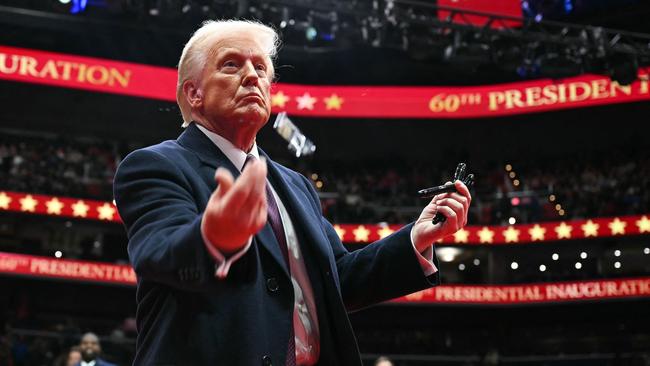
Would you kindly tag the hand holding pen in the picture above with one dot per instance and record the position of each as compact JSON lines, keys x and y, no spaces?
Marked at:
{"x":461,"y":175}
{"x":447,"y":211}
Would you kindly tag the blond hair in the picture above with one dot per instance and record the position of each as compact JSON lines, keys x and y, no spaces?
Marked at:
{"x":196,"y":51}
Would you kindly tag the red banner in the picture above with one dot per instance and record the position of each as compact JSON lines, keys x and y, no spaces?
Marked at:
{"x":58,"y":206}
{"x":533,"y":293}
{"x":514,"y":234}
{"x":33,"y":266}
{"x":364,"y":233}
{"x":509,"y":8}
{"x":105,"y":273}
{"x":17,"y":64}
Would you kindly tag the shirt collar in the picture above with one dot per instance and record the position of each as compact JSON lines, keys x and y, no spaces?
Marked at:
{"x":233,"y":153}
{"x":84,"y":363}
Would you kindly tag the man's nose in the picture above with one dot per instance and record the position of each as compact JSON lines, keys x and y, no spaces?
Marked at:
{"x":250,"y":75}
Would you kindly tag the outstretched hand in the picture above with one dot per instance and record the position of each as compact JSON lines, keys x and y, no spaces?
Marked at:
{"x":237,"y":209}
{"x":454,"y":206}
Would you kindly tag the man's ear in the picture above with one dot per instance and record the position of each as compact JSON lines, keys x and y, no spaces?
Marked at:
{"x":192,"y":93}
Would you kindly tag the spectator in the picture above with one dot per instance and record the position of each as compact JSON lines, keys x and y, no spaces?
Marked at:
{"x":383,"y":361}
{"x":74,"y":356}
{"x":90,"y":351}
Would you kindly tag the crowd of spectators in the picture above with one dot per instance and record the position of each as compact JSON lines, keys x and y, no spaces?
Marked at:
{"x":58,"y":166}
{"x":37,"y":340}
{"x":527,"y":188}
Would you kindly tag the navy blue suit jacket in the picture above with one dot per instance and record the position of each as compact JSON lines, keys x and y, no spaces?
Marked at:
{"x":186,"y":316}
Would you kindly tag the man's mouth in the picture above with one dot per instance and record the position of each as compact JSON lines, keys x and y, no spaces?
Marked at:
{"x":252,"y":97}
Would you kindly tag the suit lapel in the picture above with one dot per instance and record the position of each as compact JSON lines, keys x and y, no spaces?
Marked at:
{"x":207,"y":152}
{"x":211,"y":158}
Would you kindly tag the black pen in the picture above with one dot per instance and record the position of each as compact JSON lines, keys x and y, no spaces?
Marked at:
{"x":432,"y":191}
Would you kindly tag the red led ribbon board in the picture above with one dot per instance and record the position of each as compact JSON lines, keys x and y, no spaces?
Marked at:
{"x":106,"y":273}
{"x":364,"y":233}
{"x":514,"y":234}
{"x":99,"y":75}
{"x":46,"y":267}
{"x":532,"y":293}
{"x":58,"y":206}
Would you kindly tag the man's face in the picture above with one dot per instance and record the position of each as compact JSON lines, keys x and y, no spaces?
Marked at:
{"x":235,"y":83}
{"x":89,"y":347}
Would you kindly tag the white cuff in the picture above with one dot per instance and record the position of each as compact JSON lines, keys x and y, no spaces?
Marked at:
{"x":223,"y":264}
{"x":425,"y":258}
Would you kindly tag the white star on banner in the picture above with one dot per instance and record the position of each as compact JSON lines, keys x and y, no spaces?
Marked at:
{"x":306,"y":101}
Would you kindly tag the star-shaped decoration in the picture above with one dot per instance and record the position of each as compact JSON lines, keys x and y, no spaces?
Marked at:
{"x":279,"y":99}
{"x":333,"y":102}
{"x":339,"y":231}
{"x":306,"y":101}
{"x":461,"y":236}
{"x":80,"y":209}
{"x":617,"y":226}
{"x":106,"y":211}
{"x":643,"y":223}
{"x":590,"y":228}
{"x":4,"y":201}
{"x":511,"y":234}
{"x":384,"y":232}
{"x":563,"y":231}
{"x":28,"y":203}
{"x":537,"y":232}
{"x":486,"y":235}
{"x":361,"y":234}
{"x":54,"y":206}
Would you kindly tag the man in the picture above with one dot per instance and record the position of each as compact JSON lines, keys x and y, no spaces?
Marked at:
{"x":235,"y":263}
{"x":90,"y":350}
{"x":383,"y":361}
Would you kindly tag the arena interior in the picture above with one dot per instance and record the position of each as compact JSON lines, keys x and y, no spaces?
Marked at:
{"x":546,"y":101}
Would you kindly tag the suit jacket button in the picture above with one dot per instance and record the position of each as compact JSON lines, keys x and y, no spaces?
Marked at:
{"x":272,"y":284}
{"x":266,"y":361}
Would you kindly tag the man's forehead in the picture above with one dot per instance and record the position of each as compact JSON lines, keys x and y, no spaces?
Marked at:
{"x":241,"y":50}
{"x":89,"y":338}
{"x":247,"y":45}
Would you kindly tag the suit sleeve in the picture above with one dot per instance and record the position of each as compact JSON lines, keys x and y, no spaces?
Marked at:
{"x":162,"y":221}
{"x":384,"y":270}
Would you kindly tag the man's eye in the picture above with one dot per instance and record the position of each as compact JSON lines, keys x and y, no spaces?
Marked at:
{"x":230,"y":64}
{"x":261,"y":67}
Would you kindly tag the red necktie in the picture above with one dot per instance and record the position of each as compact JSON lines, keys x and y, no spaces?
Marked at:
{"x":278,"y":229}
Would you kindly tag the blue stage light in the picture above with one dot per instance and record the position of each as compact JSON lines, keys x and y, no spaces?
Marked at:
{"x":78,"y":6}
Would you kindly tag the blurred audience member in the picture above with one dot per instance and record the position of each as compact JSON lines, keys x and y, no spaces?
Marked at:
{"x":90,"y":351}
{"x":74,"y":356}
{"x":383,"y":361}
